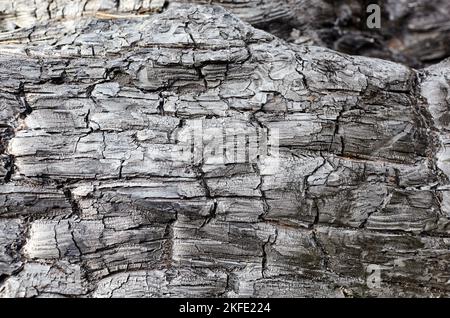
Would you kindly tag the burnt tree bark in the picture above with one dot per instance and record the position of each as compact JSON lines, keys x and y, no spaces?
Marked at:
{"x":94,"y":203}
{"x":416,"y":33}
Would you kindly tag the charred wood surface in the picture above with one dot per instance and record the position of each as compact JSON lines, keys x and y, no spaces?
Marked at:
{"x":94,"y":203}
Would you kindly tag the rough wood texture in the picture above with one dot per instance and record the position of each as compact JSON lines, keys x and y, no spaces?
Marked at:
{"x":416,"y":33}
{"x":94,"y":203}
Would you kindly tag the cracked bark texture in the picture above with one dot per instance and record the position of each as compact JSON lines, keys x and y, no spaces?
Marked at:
{"x":416,"y":33}
{"x":93,"y":203}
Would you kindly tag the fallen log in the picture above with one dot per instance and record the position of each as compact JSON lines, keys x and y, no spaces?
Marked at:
{"x":96,"y":200}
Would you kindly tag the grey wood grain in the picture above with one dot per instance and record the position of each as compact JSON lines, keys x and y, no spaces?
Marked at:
{"x":94,"y":201}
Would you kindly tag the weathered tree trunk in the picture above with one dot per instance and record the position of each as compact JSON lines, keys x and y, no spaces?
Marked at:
{"x":416,"y":33}
{"x":96,"y":202}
